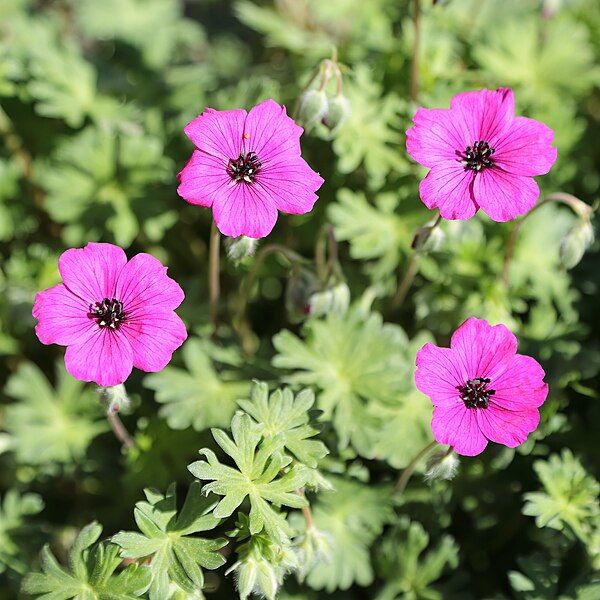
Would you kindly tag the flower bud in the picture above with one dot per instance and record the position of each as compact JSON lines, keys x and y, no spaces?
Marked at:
{"x":332,"y":300}
{"x":312,"y":547}
{"x":302,"y":284}
{"x":240,"y":247}
{"x":313,"y":106}
{"x":441,"y":465}
{"x":115,"y":398}
{"x":338,"y":110}
{"x":575,"y":243}
{"x":429,"y":238}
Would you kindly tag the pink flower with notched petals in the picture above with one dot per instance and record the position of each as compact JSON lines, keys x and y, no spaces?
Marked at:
{"x":111,"y":314}
{"x":481,"y":388}
{"x":480,"y":156}
{"x":247,"y":166}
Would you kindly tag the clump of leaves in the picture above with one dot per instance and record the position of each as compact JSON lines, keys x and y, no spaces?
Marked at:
{"x":409,"y":573}
{"x":49,"y":425}
{"x":91,"y":572}
{"x":257,"y":475}
{"x":198,"y":396}
{"x":177,"y":557}
{"x":569,"y":501}
{"x":15,"y":528}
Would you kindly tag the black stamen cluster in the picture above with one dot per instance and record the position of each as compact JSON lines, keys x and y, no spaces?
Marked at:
{"x":244,"y":168}
{"x":478,"y":156}
{"x":474,"y":392}
{"x":108,"y":313}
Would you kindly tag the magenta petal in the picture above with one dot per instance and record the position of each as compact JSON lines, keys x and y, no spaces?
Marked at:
{"x":457,"y":426}
{"x":448,"y":187}
{"x":439,"y":373}
{"x":203,"y":177}
{"x":245,"y":211}
{"x":504,"y":196}
{"x":521,"y":384}
{"x":485,"y":114}
{"x":505,"y":426}
{"x":270,"y":133}
{"x":92,"y":272}
{"x":483,"y":349}
{"x":525,"y":148}
{"x":143,"y":283}
{"x":106,"y":358}
{"x":154,"y":335}
{"x":436,"y":137}
{"x":218,"y":132}
{"x":291,"y":185}
{"x":62,"y":317}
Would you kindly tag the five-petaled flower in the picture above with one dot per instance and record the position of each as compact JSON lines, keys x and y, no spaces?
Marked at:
{"x":111,"y":314}
{"x":247,"y":166}
{"x":481,"y":388}
{"x":480,"y":156}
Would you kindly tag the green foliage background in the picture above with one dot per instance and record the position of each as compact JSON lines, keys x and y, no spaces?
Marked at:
{"x":93,"y":99}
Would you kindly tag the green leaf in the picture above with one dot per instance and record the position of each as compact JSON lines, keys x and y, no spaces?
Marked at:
{"x":364,"y":370}
{"x":286,"y":418}
{"x":199,"y":396}
{"x":14,"y":528}
{"x":569,"y":502}
{"x":166,"y":536}
{"x":51,"y":424}
{"x":90,"y":574}
{"x":407,"y":571}
{"x":353,"y":516}
{"x":256,"y":476}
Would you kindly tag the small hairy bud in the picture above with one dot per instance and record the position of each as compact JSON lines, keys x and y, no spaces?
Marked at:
{"x":429,"y":238}
{"x":240,"y":247}
{"x":313,"y":106}
{"x":332,"y":300}
{"x":575,"y":243}
{"x":115,"y":398}
{"x":312,"y":547}
{"x":338,"y":110}
{"x":441,"y":465}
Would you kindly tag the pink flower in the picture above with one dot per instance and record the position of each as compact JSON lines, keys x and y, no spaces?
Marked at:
{"x":247,"y":166}
{"x":481,"y":388}
{"x":480,"y":156}
{"x":111,"y":314}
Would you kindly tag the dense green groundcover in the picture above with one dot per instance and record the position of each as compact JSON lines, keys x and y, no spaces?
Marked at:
{"x":94,"y":96}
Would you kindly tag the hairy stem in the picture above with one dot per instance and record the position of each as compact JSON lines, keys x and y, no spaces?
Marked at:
{"x":214,"y":288}
{"x":119,"y":430}
{"x":414,"y":62}
{"x":240,"y":321}
{"x":412,"y":267}
{"x":410,"y":468}
{"x":306,"y":512}
{"x":579,"y":207}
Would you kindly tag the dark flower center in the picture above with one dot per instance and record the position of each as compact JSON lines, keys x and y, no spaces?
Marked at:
{"x":478,"y":156}
{"x":244,"y":167}
{"x":475,"y":393}
{"x":108,"y":313}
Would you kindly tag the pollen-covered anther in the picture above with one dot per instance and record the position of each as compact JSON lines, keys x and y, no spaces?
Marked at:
{"x":108,"y":313}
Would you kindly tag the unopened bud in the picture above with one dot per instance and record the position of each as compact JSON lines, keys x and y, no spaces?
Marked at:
{"x":312,"y":547}
{"x":115,"y":398}
{"x":313,"y":106}
{"x":429,"y":238}
{"x":332,"y":300}
{"x":338,"y":110}
{"x":442,"y":465}
{"x":575,"y":243}
{"x":302,"y":284}
{"x":240,"y":247}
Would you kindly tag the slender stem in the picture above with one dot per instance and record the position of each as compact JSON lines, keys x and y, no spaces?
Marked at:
{"x":213,"y":275}
{"x":119,"y":430}
{"x":240,"y":321}
{"x":412,"y":267}
{"x":414,"y":63}
{"x":306,"y":511}
{"x":410,"y":468}
{"x":579,"y":207}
